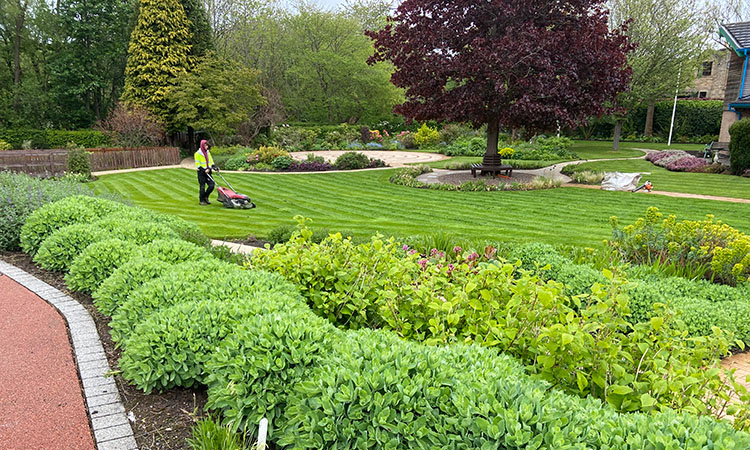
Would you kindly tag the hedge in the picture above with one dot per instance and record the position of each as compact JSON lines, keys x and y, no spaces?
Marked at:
{"x":115,"y":290}
{"x":170,"y":348}
{"x":58,"y":251}
{"x":739,"y":146}
{"x":44,"y":139}
{"x":97,"y":262}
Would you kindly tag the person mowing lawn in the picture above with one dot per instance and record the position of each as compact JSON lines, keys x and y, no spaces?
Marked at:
{"x":204,"y":163}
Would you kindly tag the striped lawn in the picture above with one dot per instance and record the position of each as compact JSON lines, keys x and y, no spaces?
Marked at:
{"x":692,"y":183}
{"x":365,"y":202}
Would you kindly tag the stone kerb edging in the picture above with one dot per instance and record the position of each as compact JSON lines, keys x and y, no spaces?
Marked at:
{"x":112,"y":430}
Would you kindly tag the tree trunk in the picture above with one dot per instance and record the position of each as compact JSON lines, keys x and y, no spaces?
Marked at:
{"x":618,"y":130}
{"x":491,"y":156}
{"x":191,"y":139}
{"x":649,"y":129}
{"x":17,"y":55}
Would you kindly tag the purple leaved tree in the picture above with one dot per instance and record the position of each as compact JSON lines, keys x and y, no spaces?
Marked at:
{"x":530,"y":64}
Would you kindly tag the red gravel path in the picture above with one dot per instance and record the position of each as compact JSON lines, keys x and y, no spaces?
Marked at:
{"x":41,"y":404}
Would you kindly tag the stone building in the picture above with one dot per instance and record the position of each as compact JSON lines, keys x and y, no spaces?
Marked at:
{"x":737,"y":91}
{"x":712,"y":77}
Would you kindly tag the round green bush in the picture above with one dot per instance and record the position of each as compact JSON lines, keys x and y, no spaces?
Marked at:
{"x":97,"y":262}
{"x":375,"y":391}
{"x":174,"y":251}
{"x":739,"y":146}
{"x":68,"y":211}
{"x":254,"y":369}
{"x":192,"y":282}
{"x":184,"y":229}
{"x":171,"y":347}
{"x":59,"y":250}
{"x":351,"y":161}
{"x":114,"y":291}
{"x":78,"y":162}
{"x":141,"y":232}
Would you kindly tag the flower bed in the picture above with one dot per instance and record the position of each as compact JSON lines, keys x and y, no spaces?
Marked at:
{"x":678,"y":161}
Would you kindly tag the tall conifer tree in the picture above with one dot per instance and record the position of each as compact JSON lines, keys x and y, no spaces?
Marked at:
{"x":202,"y":38}
{"x":157,"y":56}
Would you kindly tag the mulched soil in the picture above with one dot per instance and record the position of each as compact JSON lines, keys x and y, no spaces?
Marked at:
{"x":162,"y":421}
{"x":458,"y":177}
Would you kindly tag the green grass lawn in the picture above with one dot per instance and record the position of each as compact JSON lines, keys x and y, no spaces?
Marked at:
{"x":664,"y":180}
{"x":366,"y":202}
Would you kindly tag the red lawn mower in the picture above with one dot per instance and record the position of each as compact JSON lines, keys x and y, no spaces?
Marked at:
{"x":229,"y":198}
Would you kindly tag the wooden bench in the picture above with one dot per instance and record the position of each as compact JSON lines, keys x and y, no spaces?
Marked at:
{"x":491,"y":169}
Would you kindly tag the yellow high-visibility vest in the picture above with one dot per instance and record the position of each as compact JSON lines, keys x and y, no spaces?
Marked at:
{"x":200,"y":160}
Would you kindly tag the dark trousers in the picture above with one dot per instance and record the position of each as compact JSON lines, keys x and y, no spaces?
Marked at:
{"x":204,"y":181}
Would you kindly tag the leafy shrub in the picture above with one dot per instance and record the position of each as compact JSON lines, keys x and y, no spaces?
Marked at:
{"x":97,"y":262}
{"x":294,"y":138}
{"x":192,"y":282}
{"x":5,"y":146}
{"x":458,"y":165}
{"x":171,"y":346}
{"x":20,"y":196}
{"x":59,"y":250}
{"x":426,"y":136}
{"x":262,"y":359}
{"x":557,"y":145}
{"x":280,"y":234}
{"x":475,"y":146}
{"x":282,"y":162}
{"x":174,"y":251}
{"x":351,"y":161}
{"x":78,"y":162}
{"x":114,"y":291}
{"x":450,"y":132}
{"x":401,"y":395}
{"x":131,"y":125}
{"x":237,"y":162}
{"x":407,"y":139}
{"x":693,"y":248}
{"x":310,"y":166}
{"x":135,"y":231}
{"x":265,"y":155}
{"x":68,"y":211}
{"x":739,"y":146}
{"x":374,"y":163}
{"x":431,"y":300}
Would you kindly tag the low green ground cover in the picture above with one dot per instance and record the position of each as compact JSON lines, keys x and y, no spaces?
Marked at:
{"x":365,"y":203}
{"x":664,"y":180}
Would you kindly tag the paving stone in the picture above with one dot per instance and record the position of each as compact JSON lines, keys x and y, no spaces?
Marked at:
{"x":111,"y":420}
{"x":93,"y":356}
{"x":125,"y":443}
{"x":100,"y":400}
{"x":106,"y":410}
{"x":93,"y":382}
{"x":102,"y":389}
{"x":111,"y":433}
{"x":92,"y":373}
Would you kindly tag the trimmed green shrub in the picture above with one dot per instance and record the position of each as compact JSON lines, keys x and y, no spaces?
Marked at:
{"x":114,"y":291}
{"x":97,"y":262}
{"x":374,"y":391}
{"x":172,"y":345}
{"x":282,"y":162}
{"x":140,"y":232}
{"x":739,"y":146}
{"x":236,"y":162}
{"x":59,"y":250}
{"x":426,"y":137}
{"x":352,"y":161}
{"x":184,"y":229}
{"x":78,"y":162}
{"x":281,"y":234}
{"x":254,"y":369}
{"x":192,"y":282}
{"x":21,"y":195}
{"x":54,"y":138}
{"x":69,"y":211}
{"x":174,"y":251}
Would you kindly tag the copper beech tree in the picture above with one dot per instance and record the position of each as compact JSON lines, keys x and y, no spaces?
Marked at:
{"x":531,"y":64}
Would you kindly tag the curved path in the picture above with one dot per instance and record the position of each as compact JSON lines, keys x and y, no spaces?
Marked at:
{"x":54,"y":395}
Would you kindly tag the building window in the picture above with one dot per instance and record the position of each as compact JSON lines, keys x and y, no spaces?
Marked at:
{"x":702,"y":94}
{"x":707,"y":66}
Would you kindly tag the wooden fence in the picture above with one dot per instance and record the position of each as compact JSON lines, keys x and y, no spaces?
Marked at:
{"x":54,"y":162}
